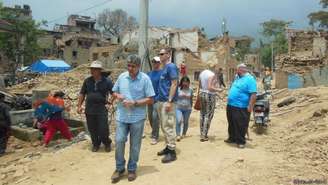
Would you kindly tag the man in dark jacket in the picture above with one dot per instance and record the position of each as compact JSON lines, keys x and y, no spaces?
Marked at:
{"x":4,"y":124}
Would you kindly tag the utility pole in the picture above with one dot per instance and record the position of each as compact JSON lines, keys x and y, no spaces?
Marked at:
{"x":143,"y":35}
{"x":272,"y":57}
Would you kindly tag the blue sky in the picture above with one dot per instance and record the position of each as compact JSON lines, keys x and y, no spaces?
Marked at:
{"x":243,"y":16}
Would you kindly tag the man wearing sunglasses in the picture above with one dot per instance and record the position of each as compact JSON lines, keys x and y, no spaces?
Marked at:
{"x":166,"y":104}
{"x":134,"y":91}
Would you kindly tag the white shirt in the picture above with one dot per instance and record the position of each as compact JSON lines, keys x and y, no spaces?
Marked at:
{"x":203,"y":78}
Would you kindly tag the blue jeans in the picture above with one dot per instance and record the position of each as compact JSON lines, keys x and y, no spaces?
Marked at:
{"x":122,"y":131}
{"x":182,"y":116}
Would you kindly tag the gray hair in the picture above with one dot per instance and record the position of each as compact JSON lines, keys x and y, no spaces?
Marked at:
{"x":134,"y":59}
{"x":242,"y":65}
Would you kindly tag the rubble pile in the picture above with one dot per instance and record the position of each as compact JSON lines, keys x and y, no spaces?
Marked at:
{"x":309,"y":141}
{"x":70,"y":83}
{"x":14,"y":167}
{"x":304,"y":138}
{"x":297,"y":64}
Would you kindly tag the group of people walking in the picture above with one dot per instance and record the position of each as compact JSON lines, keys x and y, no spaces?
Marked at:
{"x":166,"y":96}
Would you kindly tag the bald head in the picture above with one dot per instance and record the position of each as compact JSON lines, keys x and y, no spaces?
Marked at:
{"x":241,"y":69}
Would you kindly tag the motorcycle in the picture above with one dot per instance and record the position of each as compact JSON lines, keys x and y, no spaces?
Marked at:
{"x":261,"y":112}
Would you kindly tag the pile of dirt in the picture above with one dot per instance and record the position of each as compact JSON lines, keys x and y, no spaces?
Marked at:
{"x":303,"y":137}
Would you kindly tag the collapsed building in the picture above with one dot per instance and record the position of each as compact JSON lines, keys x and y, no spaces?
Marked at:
{"x":306,"y":63}
{"x":254,"y":63}
{"x":190,"y":46}
{"x":75,"y":41}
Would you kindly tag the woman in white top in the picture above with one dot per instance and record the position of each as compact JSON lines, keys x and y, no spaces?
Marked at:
{"x":207,"y":90}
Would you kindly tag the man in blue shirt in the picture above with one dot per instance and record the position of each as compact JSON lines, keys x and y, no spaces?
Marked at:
{"x":154,"y":76}
{"x":133,"y":90}
{"x":241,"y":100}
{"x":167,"y":97}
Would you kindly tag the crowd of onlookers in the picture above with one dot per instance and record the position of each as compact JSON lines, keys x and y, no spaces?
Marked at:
{"x":164,"y":96}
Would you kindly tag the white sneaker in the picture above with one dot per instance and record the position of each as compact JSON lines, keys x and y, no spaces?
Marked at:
{"x":153,"y":141}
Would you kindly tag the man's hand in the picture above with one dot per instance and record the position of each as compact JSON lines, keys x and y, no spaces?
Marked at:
{"x":128,"y":103}
{"x":79,"y":110}
{"x":119,"y":97}
{"x":168,"y":106}
{"x":250,"y":108}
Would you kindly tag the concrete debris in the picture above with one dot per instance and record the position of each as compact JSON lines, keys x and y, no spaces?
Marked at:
{"x":286,"y":101}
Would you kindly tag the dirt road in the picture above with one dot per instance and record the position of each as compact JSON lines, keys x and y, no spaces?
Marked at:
{"x":213,"y":162}
{"x":273,"y":158}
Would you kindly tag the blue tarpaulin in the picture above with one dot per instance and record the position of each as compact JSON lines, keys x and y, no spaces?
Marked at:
{"x":49,"y":66}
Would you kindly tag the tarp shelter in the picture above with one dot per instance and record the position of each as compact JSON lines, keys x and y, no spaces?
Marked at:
{"x":49,"y":66}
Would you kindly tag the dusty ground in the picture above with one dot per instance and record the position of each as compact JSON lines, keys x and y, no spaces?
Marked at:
{"x":295,"y":147}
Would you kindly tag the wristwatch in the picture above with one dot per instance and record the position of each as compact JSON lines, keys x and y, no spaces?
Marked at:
{"x":135,"y":103}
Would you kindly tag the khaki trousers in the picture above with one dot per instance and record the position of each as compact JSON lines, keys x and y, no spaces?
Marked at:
{"x":167,"y":121}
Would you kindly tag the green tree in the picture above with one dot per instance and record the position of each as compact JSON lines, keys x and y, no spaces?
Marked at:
{"x":266,"y":54}
{"x":20,"y":45}
{"x":274,"y":34}
{"x":320,"y":18}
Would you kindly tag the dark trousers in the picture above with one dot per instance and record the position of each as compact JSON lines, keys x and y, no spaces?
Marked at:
{"x":98,"y":128}
{"x":221,"y":84}
{"x":4,"y":136}
{"x":153,"y":120}
{"x":238,"y":121}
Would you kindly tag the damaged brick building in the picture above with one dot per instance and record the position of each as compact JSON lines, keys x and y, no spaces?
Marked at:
{"x":73,"y":42}
{"x":306,"y":63}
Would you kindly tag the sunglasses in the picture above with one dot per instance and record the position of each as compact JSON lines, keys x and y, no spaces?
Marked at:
{"x":162,"y":54}
{"x":156,"y":62}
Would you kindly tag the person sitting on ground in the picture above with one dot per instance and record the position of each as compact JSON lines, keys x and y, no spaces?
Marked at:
{"x":4,"y":124}
{"x":184,"y":107}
